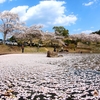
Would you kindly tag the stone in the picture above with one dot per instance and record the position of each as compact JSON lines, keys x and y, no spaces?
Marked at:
{"x":52,"y":54}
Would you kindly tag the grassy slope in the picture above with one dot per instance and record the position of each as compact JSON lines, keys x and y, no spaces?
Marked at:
{"x":4,"y":49}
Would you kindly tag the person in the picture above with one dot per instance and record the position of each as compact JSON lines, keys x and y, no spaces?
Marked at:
{"x":62,"y":49}
{"x":48,"y":54}
{"x":54,"y":48}
{"x":38,"y":45}
{"x":81,"y":52}
{"x":22,"y":48}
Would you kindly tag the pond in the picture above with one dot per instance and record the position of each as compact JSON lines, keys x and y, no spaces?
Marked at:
{"x":36,"y":77}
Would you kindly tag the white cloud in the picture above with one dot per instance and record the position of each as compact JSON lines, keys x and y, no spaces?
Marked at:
{"x":49,"y":0}
{"x":21,"y":10}
{"x":87,"y":31}
{"x":88,"y":4}
{"x":66,"y":20}
{"x":77,"y":29}
{"x":50,"y":12}
{"x":12,"y":0}
{"x":2,"y":1}
{"x":92,"y":27}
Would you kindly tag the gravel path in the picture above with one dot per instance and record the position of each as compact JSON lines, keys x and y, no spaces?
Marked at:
{"x":37,"y":77}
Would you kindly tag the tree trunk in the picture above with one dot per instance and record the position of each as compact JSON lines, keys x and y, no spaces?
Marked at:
{"x":4,"y":38}
{"x":30,"y":43}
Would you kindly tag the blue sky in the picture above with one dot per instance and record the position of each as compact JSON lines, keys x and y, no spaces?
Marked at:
{"x":78,"y":16}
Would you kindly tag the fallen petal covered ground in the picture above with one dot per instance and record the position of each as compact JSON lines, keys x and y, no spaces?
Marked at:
{"x":37,"y":77}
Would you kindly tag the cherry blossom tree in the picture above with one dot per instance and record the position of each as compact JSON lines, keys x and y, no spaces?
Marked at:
{"x":86,"y":37}
{"x":8,"y":23}
{"x":53,"y":38}
{"x":27,"y":34}
{"x":34,"y":31}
